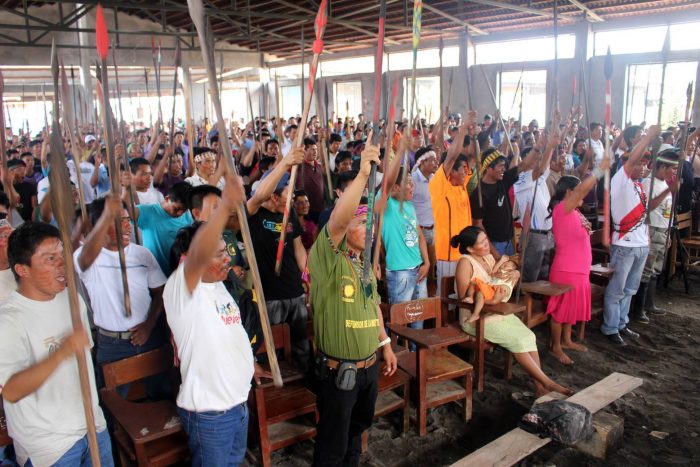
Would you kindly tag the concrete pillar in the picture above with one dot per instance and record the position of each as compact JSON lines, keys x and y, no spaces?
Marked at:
{"x":85,"y":78}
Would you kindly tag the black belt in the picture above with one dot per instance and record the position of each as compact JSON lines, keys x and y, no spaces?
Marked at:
{"x":333,"y":363}
{"x":541,"y":232}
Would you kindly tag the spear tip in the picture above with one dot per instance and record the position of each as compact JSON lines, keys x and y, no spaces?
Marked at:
{"x":101,"y":36}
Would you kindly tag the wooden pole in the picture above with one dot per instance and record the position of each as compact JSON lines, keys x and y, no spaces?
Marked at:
{"x":75,"y":147}
{"x":372,"y":182}
{"x":197,"y":13}
{"x":102,"y":42}
{"x":62,"y":206}
{"x":320,"y":26}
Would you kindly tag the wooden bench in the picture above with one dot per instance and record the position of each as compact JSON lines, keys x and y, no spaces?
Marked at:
{"x":148,"y":433}
{"x":477,"y":344}
{"x":283,"y":416}
{"x":439,"y":376}
{"x":518,"y":443}
{"x":535,"y":311}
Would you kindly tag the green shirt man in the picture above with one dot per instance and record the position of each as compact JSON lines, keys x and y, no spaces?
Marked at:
{"x":345,"y":312}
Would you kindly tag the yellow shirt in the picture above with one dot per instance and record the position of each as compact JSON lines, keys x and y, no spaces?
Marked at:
{"x":451,"y":211}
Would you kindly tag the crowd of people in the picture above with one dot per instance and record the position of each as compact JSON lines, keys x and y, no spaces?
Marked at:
{"x":486,"y":201}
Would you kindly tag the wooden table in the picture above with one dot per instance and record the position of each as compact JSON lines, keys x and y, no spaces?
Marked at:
{"x":433,"y":338}
{"x":550,"y":289}
{"x":603,"y":270}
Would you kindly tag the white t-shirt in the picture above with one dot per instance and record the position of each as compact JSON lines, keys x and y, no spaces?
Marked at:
{"x":47,"y":423}
{"x":659,"y":217}
{"x":150,"y":196}
{"x":216,"y":361}
{"x":196,"y":180}
{"x":103,"y":282}
{"x":42,"y":189}
{"x":86,"y":170}
{"x":598,"y":150}
{"x":627,"y":206}
{"x":524,"y":189}
{"x":8,"y":284}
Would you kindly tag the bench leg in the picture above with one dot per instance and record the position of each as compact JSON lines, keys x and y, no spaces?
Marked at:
{"x":407,"y":405}
{"x":422,"y":393}
{"x":365,"y":441}
{"x":508,"y":366}
{"x":468,"y":401}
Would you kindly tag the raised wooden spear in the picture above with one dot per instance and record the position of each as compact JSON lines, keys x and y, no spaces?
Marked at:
{"x":608,"y":70}
{"x":63,"y":209}
{"x":75,"y":147}
{"x":372,"y":182}
{"x":3,"y":139}
{"x":197,"y":13}
{"x":150,"y":112}
{"x":178,"y":62}
{"x":155,"y":56}
{"x":322,"y":113}
{"x":102,"y":43}
{"x":664,"y":54}
{"x":319,"y":27}
{"x":388,"y":152}
{"x":121,"y":129}
{"x":187,"y":92}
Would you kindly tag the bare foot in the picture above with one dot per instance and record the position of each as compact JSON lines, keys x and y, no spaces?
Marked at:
{"x":561,"y":389}
{"x":469,"y":300}
{"x":473,"y":318}
{"x":574,"y":346}
{"x":561,"y":356}
{"x":540,"y":390}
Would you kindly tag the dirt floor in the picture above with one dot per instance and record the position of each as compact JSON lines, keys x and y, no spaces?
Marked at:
{"x":667,"y":357}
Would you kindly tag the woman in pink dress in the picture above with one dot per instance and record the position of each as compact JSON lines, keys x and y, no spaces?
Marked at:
{"x":572,"y":261}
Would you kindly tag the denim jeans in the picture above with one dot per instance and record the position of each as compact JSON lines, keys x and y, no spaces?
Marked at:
{"x":79,"y":454}
{"x":402,"y":286}
{"x":628,"y":263}
{"x":537,"y":256}
{"x":216,"y":438}
{"x":110,"y":349}
{"x":504,"y":248}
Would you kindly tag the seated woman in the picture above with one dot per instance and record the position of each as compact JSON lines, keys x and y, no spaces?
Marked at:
{"x":507,"y":331}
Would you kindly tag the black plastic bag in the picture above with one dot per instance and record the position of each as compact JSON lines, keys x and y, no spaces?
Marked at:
{"x":563,"y":421}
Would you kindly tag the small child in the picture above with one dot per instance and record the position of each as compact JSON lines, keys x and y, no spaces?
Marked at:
{"x":481,"y":293}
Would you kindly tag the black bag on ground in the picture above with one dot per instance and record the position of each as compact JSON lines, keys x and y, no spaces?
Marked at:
{"x":563,"y":421}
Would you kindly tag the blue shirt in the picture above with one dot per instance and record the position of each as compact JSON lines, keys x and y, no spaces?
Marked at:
{"x":159,"y":230}
{"x":103,"y":182}
{"x":400,"y":236}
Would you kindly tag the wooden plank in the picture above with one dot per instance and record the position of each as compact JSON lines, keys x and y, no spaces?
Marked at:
{"x":504,"y":451}
{"x":606,"y":391}
{"x":517,"y":443}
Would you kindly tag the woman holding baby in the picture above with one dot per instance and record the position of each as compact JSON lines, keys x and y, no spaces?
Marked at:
{"x":479,"y":279}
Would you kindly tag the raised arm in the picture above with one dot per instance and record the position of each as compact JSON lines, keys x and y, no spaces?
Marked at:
{"x":456,"y":146}
{"x":206,"y":240}
{"x":344,"y":210}
{"x":583,"y":188}
{"x":638,"y":151}
{"x":267,"y":186}
{"x":97,"y":238}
